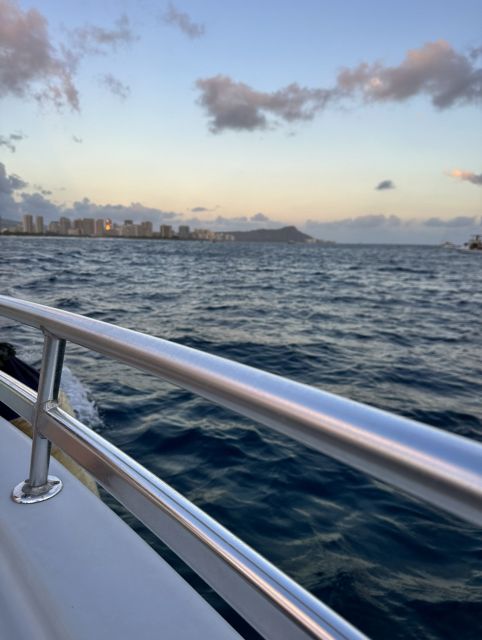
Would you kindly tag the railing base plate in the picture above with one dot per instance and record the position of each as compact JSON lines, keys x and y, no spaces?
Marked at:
{"x":24,"y":493}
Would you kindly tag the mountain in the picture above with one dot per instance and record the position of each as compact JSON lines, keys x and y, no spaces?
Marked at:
{"x":285,"y":234}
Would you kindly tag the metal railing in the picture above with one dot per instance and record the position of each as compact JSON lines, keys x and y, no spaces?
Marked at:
{"x":443,"y":469}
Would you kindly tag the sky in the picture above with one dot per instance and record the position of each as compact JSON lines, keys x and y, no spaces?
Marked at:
{"x":354,"y":121}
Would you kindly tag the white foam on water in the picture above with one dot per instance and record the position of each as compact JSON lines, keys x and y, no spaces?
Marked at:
{"x":85,"y":409}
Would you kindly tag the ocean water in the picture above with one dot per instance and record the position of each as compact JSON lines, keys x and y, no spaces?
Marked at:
{"x":396,"y":327}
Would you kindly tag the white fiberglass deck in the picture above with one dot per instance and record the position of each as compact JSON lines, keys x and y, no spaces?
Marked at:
{"x":70,"y":569}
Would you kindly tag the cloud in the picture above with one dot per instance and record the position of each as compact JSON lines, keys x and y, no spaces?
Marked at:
{"x":467,"y":176}
{"x":183,"y":22}
{"x":77,"y":140}
{"x":136,"y":211}
{"x":40,"y":189}
{"x":14,"y":203}
{"x":235,"y":105}
{"x":435,"y":70}
{"x":10,"y":183}
{"x":38,"y":204}
{"x":29,"y":63}
{"x":368,"y":221}
{"x":363,"y":228}
{"x":236,"y":223}
{"x":115,"y":86}
{"x":32,"y":66}
{"x":475,"y":52}
{"x":10,"y":140}
{"x":384,"y":185}
{"x":201,"y":209}
{"x":459,"y":221}
{"x":259,"y":217}
{"x":368,"y":228}
{"x":92,"y":39}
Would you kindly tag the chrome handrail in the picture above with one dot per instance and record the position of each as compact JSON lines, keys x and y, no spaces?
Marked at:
{"x":438,"y":467}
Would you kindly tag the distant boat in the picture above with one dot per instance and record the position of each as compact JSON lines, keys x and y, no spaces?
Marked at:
{"x":474,"y":244}
{"x":448,"y":245}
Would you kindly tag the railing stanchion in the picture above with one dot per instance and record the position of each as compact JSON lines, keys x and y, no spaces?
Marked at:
{"x":40,"y":486}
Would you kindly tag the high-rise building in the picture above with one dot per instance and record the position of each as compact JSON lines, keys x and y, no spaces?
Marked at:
{"x":54,"y":227}
{"x":39,"y":224}
{"x":145,"y":229}
{"x":64,"y":226}
{"x":88,"y":227}
{"x":27,"y":223}
{"x":78,"y":224}
{"x":129,"y":229}
{"x":183,"y":231}
{"x":99,"y":227}
{"x":166,"y":231}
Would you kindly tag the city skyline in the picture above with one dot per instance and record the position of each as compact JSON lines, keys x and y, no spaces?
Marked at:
{"x":352,"y":124}
{"x":107,"y":228}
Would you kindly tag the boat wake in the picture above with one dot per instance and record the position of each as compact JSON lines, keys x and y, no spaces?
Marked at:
{"x":85,"y":409}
